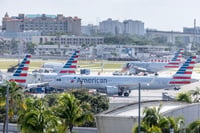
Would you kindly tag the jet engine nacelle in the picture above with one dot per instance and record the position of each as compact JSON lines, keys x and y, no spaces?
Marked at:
{"x":111,"y":90}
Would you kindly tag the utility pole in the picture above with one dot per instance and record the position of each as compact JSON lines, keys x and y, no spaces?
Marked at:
{"x":194,"y":39}
{"x":139,"y":102}
{"x":7,"y":106}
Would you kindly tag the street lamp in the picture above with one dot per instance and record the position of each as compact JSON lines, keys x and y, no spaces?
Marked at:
{"x":139,"y":101}
{"x":7,"y":106}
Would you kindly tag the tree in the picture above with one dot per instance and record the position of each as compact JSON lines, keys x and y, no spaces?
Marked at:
{"x":153,"y":121}
{"x":14,"y":48}
{"x":152,"y":115}
{"x":184,"y":97}
{"x":51,"y":100}
{"x":194,"y":127}
{"x":30,"y":47}
{"x":36,"y":117}
{"x":176,"y":123}
{"x":97,"y":102}
{"x":15,"y":98}
{"x":72,"y":112}
{"x":195,"y":94}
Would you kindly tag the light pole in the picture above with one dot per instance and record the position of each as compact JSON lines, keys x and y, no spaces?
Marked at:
{"x":139,"y":101}
{"x":102,"y":63}
{"x":7,"y":106}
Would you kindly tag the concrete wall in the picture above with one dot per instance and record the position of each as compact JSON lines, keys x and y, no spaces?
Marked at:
{"x":190,"y":113}
{"x":119,"y":124}
{"x":12,"y":128}
{"x":106,"y":124}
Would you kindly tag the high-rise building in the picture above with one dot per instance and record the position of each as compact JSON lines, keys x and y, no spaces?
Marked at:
{"x":133,"y":27}
{"x":46,"y":24}
{"x":90,"y":29}
{"x":111,"y":27}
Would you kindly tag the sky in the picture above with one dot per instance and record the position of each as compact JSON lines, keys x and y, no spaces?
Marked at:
{"x":166,"y":15}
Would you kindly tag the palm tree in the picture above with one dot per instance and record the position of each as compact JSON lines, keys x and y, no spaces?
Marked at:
{"x":153,"y":121}
{"x":184,"y":97}
{"x":194,"y":127}
{"x":195,"y":94}
{"x":72,"y":112}
{"x":35,"y":117}
{"x":152,"y":115}
{"x":176,"y":123}
{"x":15,"y":97}
{"x":2,"y":106}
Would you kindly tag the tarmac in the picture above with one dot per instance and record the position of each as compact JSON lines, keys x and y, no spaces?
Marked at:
{"x":147,"y":95}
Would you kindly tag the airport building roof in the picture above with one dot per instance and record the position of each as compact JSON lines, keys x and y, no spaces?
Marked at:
{"x":132,"y":109}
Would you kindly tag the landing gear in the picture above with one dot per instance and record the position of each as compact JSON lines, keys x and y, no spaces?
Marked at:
{"x":126,"y":94}
{"x":124,"y":91}
{"x":119,"y":93}
{"x":176,"y":88}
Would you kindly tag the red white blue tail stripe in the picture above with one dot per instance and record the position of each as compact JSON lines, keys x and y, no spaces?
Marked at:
{"x":21,"y":73}
{"x":183,"y":75}
{"x":175,"y":62}
{"x":71,"y":65}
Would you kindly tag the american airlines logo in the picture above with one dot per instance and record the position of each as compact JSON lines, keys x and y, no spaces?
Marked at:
{"x":72,"y":81}
{"x":89,"y":80}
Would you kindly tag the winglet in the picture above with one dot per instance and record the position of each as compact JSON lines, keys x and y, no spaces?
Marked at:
{"x":183,"y":75}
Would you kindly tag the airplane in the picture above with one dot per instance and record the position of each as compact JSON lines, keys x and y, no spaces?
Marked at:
{"x":154,"y":67}
{"x":21,"y":73}
{"x":122,"y":85}
{"x":68,"y":68}
{"x":56,"y":66}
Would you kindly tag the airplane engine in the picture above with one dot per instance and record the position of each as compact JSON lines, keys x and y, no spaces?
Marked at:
{"x":111,"y":90}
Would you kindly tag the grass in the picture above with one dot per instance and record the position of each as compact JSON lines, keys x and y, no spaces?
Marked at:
{"x":37,"y":63}
{"x":93,"y":65}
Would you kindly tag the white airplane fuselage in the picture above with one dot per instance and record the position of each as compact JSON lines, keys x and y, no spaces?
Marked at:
{"x":56,"y":66}
{"x":150,"y":66}
{"x":101,"y":82}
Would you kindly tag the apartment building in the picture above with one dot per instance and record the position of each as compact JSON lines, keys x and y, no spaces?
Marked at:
{"x":111,"y":27}
{"x":131,"y":27}
{"x":46,"y":24}
{"x":89,"y":29}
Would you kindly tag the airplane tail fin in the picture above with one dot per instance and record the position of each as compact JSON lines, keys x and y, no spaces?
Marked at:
{"x":71,"y":64}
{"x":183,"y":75}
{"x":21,"y":73}
{"x":175,"y":62}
